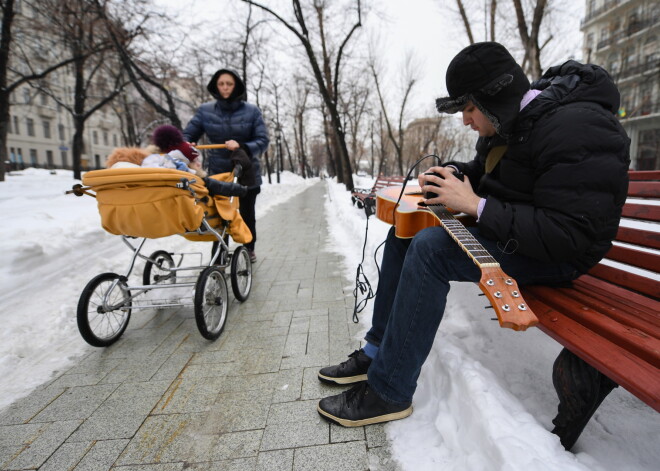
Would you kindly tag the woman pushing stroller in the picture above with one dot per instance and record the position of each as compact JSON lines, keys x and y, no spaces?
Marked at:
{"x":230,"y":120}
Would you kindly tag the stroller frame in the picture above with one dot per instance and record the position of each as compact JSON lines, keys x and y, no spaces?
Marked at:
{"x":107,"y":301}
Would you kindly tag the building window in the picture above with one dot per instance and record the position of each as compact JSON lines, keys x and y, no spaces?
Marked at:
{"x":60,"y":131}
{"x":97,"y":160}
{"x":44,"y":99}
{"x":95,"y":137}
{"x":12,"y":154}
{"x":114,"y":140}
{"x":49,"y":158}
{"x":30,"y":126}
{"x":19,"y":155}
{"x":46,"y":125}
{"x":16,"y":128}
{"x":649,"y":150}
{"x":33,"y":157}
{"x":105,"y":138}
{"x":26,"y":96}
{"x":63,"y":156}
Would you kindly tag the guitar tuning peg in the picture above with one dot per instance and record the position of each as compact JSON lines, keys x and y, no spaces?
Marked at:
{"x":515,"y":294}
{"x":509,"y":281}
{"x":506,"y":308}
{"x":522,"y":307}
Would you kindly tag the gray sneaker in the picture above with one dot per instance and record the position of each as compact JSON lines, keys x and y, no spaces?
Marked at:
{"x":350,"y":371}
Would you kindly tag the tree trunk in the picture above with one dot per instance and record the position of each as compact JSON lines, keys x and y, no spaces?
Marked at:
{"x":5,"y":41}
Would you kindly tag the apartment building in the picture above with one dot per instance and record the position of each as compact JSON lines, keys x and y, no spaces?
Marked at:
{"x":40,"y":134}
{"x":623,"y":36}
{"x":40,"y":131}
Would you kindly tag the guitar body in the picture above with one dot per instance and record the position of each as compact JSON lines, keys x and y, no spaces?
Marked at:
{"x":408,"y":218}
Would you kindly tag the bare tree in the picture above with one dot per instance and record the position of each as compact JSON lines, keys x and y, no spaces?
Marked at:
{"x":354,"y":106}
{"x":146,"y":74}
{"x":300,"y":98}
{"x":326,"y":66}
{"x":396,"y":136}
{"x":529,"y":18}
{"x":32,"y":61}
{"x":97,"y":78}
{"x":529,"y":36}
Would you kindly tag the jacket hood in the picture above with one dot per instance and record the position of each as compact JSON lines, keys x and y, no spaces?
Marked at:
{"x":572,"y":82}
{"x":239,"y":93}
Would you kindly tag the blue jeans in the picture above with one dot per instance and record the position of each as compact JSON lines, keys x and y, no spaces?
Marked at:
{"x":411,"y":297}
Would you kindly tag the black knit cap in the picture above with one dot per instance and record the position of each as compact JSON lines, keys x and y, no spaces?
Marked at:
{"x":486,"y":74}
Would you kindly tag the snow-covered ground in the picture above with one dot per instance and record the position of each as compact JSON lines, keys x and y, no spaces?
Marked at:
{"x":485,"y":399}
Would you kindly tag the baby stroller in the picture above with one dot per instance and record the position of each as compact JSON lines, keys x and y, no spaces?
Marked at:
{"x":149,"y":203}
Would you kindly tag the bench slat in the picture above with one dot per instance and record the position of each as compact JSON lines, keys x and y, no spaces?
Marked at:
{"x":627,"y":370}
{"x":636,"y":308}
{"x":641,"y":211}
{"x":645,"y":189}
{"x":632,"y":281}
{"x":637,"y":258}
{"x":644,"y":175}
{"x":639,"y":237}
{"x":595,"y":317}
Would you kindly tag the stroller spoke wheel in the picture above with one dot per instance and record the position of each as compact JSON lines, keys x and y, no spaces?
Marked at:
{"x":241,"y":274}
{"x":104,"y":310}
{"x":211,"y":296}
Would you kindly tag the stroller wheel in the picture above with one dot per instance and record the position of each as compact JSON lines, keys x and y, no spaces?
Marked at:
{"x":211,"y":302}
{"x":241,"y":273}
{"x":159,"y":270}
{"x":104,"y":309}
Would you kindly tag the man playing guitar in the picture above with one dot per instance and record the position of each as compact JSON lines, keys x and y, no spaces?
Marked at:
{"x":547,"y":186}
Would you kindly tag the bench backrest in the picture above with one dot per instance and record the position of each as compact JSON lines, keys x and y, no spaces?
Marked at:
{"x":637,"y":244}
{"x":383,"y":182}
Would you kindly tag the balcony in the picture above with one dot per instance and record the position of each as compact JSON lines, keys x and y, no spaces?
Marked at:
{"x":599,"y":11}
{"x":648,"y":108}
{"x":639,"y":69}
{"x":623,"y":34}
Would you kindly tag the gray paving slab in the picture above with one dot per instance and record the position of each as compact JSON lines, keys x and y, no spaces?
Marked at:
{"x":163,"y":398}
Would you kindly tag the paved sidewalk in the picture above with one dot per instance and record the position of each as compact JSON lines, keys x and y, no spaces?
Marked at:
{"x":163,"y":398}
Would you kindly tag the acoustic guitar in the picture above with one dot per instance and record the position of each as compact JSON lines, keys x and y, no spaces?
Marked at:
{"x":409,"y":217}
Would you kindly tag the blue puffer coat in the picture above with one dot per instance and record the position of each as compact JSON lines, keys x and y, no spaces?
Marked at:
{"x":224,"y":120}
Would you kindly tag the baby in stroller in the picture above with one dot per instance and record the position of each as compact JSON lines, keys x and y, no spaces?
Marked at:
{"x":170,"y":150}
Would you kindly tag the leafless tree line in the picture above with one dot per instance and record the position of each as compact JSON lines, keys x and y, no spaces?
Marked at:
{"x":329,"y":105}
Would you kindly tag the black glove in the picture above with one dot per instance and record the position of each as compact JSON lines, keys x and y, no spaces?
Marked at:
{"x":247,"y":177}
{"x":216,"y":187}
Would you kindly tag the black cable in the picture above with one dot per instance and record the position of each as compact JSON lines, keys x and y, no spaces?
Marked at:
{"x":361,"y":281}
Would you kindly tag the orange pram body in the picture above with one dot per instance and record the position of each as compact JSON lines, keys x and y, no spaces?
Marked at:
{"x":153,"y":203}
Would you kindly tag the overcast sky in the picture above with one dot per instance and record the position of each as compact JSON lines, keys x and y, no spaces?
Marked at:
{"x":430,"y":29}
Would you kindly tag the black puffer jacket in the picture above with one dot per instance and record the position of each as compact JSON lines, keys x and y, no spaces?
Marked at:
{"x":557,"y":193}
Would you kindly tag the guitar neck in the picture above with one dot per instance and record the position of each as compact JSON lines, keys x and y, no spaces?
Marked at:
{"x":463,"y":237}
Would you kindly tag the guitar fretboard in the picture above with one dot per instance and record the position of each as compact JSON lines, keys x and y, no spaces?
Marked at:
{"x":463,"y":237}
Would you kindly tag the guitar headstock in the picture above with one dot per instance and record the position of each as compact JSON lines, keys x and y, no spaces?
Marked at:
{"x":504,"y":295}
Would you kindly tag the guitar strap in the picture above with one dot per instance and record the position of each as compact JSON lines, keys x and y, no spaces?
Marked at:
{"x":494,"y":156}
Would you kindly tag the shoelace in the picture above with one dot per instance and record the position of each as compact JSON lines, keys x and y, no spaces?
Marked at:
{"x":355,"y":394}
{"x":352,"y":355}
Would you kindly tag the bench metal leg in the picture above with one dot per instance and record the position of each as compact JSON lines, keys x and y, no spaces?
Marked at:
{"x":581,"y":389}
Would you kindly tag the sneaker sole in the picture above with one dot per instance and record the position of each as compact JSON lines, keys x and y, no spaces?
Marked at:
{"x":344,"y":380}
{"x":372,"y":420}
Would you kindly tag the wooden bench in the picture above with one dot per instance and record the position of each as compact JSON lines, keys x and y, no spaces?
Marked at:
{"x":366,"y":197}
{"x":609,"y":318}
